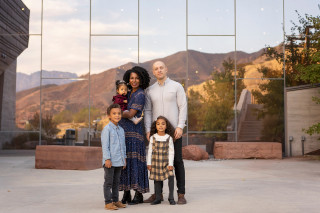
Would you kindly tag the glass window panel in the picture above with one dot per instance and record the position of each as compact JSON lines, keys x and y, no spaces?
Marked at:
{"x":212,"y":44}
{"x":310,"y":7}
{"x":19,"y":140}
{"x":176,"y":64}
{"x":35,"y":15}
{"x":29,"y":65}
{"x":65,"y":107}
{"x":259,"y":24}
{"x":260,"y":111}
{"x":65,"y":38}
{"x":300,"y":41}
{"x":207,"y":54}
{"x":20,"y":77}
{"x":211,"y":85}
{"x":259,"y":65}
{"x":114,"y":17}
{"x":206,"y":141}
{"x":162,"y":28}
{"x":215,"y":105}
{"x":211,"y":17}
{"x":113,"y":52}
{"x":111,"y":57}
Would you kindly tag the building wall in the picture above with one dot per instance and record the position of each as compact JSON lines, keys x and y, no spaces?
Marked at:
{"x":301,"y":113}
{"x":14,"y":39}
{"x":9,"y":98}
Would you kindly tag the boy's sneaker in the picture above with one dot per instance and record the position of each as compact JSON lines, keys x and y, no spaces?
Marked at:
{"x":136,"y":120}
{"x":119,"y":204}
{"x":110,"y":206}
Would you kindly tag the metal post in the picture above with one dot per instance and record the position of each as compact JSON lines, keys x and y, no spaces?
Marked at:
{"x":303,"y":138}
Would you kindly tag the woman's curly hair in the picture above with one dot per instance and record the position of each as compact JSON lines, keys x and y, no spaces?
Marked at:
{"x":143,"y":76}
{"x":169,"y":130}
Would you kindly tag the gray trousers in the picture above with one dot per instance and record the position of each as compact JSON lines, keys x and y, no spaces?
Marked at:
{"x":111,"y":182}
{"x":158,"y":185}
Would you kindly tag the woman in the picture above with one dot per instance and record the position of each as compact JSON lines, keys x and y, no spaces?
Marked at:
{"x":135,"y":176}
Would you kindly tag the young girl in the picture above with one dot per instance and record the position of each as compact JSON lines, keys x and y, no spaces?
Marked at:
{"x":160,"y":157}
{"x":121,"y":98}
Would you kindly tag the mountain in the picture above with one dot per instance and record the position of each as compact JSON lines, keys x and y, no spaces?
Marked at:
{"x":25,"y":81}
{"x":200,"y":65}
{"x":75,"y":95}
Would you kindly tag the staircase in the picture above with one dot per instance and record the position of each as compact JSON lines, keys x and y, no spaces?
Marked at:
{"x":251,"y":127}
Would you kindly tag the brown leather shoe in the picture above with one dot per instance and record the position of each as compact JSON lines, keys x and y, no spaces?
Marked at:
{"x":119,"y":204}
{"x":181,"y":199}
{"x":110,"y":206}
{"x":152,"y":198}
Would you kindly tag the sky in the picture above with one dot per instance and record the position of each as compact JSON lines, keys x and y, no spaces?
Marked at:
{"x":163,"y":25}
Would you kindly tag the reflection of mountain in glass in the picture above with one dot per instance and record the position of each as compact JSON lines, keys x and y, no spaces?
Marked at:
{"x":25,"y":81}
{"x":72,"y":98}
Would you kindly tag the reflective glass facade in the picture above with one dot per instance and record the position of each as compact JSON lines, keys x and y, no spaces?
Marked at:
{"x":76,"y":50}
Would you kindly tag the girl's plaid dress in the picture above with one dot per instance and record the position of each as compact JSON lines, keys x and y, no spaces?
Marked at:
{"x":160,"y":160}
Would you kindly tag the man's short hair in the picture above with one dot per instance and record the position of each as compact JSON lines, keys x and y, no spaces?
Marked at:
{"x":112,"y":106}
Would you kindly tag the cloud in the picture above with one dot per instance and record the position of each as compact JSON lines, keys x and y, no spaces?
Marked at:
{"x":99,"y":27}
{"x":66,"y":39}
{"x":54,"y":8}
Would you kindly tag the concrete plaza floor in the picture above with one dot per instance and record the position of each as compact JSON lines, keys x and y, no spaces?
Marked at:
{"x":257,"y":186}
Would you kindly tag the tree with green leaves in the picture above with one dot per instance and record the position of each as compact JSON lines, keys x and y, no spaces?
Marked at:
{"x":212,"y":110}
{"x":302,"y":57}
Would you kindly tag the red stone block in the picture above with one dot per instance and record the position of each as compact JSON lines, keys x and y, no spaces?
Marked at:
{"x":68,"y":157}
{"x":194,"y":152}
{"x":244,"y":150}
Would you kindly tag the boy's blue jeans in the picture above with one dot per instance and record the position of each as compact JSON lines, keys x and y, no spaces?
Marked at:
{"x":111,"y":184}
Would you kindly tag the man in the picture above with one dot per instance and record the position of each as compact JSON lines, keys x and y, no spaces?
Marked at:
{"x":167,"y":98}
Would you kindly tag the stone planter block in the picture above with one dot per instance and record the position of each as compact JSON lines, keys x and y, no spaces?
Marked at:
{"x":68,"y":157}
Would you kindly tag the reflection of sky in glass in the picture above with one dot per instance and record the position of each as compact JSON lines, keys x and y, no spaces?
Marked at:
{"x":310,"y":7}
{"x":212,"y":44}
{"x":114,"y":17}
{"x":29,"y":60}
{"x":259,"y":23}
{"x":109,"y":52}
{"x":66,"y":36}
{"x":35,"y":15}
{"x":211,"y":17}
{"x":162,"y":27}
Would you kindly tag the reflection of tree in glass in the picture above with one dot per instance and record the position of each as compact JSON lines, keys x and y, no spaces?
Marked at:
{"x":21,"y":141}
{"x":270,"y":95}
{"x":302,"y":52}
{"x":302,"y":56}
{"x":67,"y":116}
{"x":83,"y":115}
{"x":212,"y":109}
{"x":49,"y":126}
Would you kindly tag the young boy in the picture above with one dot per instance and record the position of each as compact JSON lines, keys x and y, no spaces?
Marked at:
{"x":113,"y":157}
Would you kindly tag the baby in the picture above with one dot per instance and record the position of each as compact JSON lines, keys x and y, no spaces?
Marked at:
{"x":122,"y":100}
